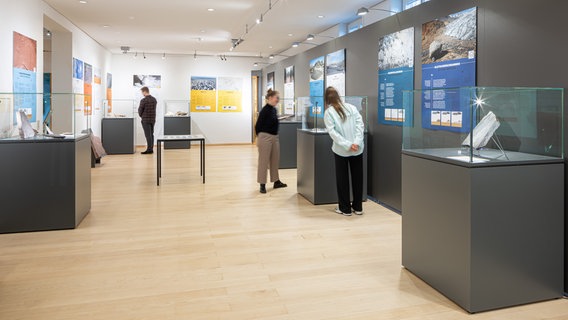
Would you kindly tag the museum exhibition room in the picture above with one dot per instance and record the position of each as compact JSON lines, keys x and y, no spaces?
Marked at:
{"x":283,"y":159}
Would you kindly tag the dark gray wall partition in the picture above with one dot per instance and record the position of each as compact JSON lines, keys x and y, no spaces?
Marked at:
{"x":520,"y":43}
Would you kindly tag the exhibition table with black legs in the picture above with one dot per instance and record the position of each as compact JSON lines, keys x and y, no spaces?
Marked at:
{"x":183,"y":138}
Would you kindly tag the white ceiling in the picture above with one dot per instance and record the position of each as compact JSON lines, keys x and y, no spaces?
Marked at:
{"x":186,"y":26}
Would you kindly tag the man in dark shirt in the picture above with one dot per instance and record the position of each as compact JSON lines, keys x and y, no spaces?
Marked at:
{"x":147,"y":111}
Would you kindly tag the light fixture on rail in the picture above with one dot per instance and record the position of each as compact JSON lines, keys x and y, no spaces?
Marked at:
{"x":364,"y":11}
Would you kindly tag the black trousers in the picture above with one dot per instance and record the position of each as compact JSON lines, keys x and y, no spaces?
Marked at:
{"x":149,"y":133}
{"x":342,"y":167}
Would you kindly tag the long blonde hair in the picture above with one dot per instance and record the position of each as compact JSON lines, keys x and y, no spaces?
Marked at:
{"x":333,"y":99}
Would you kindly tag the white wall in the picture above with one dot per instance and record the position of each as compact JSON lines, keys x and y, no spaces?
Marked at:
{"x":26,"y":17}
{"x":218,"y":128}
{"x":89,"y":51}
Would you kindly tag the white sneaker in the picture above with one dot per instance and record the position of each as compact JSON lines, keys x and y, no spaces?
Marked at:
{"x":359,"y":213}
{"x":343,"y":213}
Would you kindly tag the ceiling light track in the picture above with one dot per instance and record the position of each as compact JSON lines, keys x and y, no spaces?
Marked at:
{"x":195,"y":55}
{"x":258,"y":21}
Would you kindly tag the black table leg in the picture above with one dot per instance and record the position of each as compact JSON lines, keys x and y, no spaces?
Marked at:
{"x":159,"y":168}
{"x":203,"y":160}
{"x":201,"y":157}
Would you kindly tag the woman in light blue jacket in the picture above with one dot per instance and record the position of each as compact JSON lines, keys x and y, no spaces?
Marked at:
{"x":346,"y":128}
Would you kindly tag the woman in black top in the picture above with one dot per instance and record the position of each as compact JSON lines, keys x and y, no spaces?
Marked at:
{"x":267,"y":141}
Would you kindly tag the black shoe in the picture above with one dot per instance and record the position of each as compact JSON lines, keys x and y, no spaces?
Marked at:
{"x":262,"y":188}
{"x":279,"y":184}
{"x":148,"y":152}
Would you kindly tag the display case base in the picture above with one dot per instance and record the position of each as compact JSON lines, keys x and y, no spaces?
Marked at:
{"x":288,"y":135}
{"x":316,"y":167}
{"x":118,"y":135}
{"x":486,"y":237}
{"x":46,"y":184}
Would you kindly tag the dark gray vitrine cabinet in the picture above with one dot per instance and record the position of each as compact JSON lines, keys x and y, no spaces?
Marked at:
{"x":46,"y":183}
{"x":119,"y":135}
{"x":177,"y":126}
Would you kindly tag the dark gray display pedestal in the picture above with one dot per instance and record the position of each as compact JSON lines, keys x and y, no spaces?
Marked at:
{"x":288,"y":135}
{"x":485,"y":236}
{"x":316,"y":168}
{"x":118,"y":135}
{"x":178,"y":126}
{"x":46,"y":183}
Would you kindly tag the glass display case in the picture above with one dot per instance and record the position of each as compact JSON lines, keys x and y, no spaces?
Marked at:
{"x":119,"y":126}
{"x":177,"y":108}
{"x":177,"y":121}
{"x":478,"y":125}
{"x":55,"y":114}
{"x":287,"y":111}
{"x":120,"y":108}
{"x":313,"y":115}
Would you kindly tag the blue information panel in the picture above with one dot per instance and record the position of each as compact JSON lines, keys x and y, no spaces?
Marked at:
{"x":447,"y":109}
{"x":392,"y":83}
{"x":25,"y":82}
{"x":317,"y":70}
{"x":449,"y":47}
{"x":396,"y":74}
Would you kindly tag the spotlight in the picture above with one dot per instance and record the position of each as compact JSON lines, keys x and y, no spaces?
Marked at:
{"x":231,"y":48}
{"x":260,"y":20}
{"x":271,"y":57}
{"x":164,"y":56}
{"x":136,"y":55}
{"x":144,"y":55}
{"x":362,"y":11}
{"x":295,"y":44}
{"x":195,"y":55}
{"x":255,"y":64}
{"x":310,"y":37}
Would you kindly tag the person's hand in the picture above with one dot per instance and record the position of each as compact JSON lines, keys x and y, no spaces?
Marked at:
{"x":354,"y":147}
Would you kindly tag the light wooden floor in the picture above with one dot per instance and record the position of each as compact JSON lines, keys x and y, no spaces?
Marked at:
{"x":219,"y":251}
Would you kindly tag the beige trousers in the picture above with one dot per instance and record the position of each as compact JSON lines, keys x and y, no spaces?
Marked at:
{"x":268,"y":157}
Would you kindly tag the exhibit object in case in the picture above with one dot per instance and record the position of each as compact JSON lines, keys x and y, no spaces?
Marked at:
{"x":483,"y":209}
{"x":177,"y":121}
{"x":316,"y":161}
{"x":290,"y":122}
{"x":48,"y":175}
{"x":118,"y":128}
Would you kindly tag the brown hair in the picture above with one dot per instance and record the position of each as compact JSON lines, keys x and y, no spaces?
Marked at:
{"x":333,"y":99}
{"x":271,"y":93}
{"x":145,"y":89}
